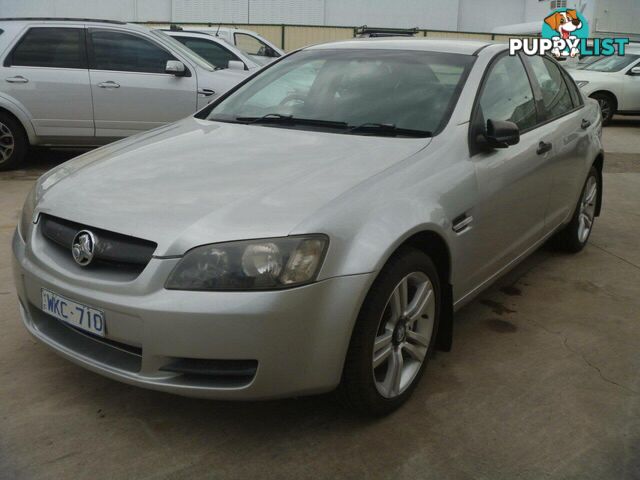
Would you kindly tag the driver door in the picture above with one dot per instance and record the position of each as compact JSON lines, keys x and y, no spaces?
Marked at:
{"x":513,"y":182}
{"x":131,"y":91}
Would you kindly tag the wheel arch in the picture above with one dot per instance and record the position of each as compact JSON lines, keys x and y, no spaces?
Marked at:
{"x":20,"y":118}
{"x":608,"y":93}
{"x":434,"y":245}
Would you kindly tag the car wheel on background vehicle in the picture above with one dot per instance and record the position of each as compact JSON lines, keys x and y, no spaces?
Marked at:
{"x":13,"y":142}
{"x":394,"y":335}
{"x":574,"y":237}
{"x":607,"y":106}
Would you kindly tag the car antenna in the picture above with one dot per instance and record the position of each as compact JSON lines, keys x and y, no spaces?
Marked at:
{"x":218,"y":30}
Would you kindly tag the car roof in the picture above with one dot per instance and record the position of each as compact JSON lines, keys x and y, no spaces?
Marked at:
{"x":28,"y":20}
{"x":464,"y":47}
{"x":92,"y":22}
{"x":195,"y":33}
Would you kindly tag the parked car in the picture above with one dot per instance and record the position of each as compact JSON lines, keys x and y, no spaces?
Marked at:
{"x":214,"y":50}
{"x":614,"y":82}
{"x":274,"y":246}
{"x":86,"y":83}
{"x":261,"y":50}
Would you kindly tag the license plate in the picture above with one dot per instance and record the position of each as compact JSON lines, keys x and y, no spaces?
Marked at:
{"x":77,"y":314}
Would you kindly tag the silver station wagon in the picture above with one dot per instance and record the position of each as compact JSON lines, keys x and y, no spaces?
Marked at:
{"x":314,"y":228}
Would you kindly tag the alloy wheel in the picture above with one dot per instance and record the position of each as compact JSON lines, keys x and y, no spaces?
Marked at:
{"x":587,"y":209}
{"x":7,"y":143}
{"x":605,"y":107}
{"x":404,"y":334}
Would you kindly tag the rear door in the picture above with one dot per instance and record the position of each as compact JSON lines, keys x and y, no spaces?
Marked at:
{"x":563,"y":109}
{"x":46,"y":73}
{"x":131,"y":91}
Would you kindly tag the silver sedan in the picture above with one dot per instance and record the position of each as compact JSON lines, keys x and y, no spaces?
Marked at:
{"x":314,"y":228}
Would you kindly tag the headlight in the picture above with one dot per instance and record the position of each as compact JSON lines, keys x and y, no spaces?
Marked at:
{"x":26,"y":219}
{"x":251,"y":265}
{"x":581,"y":83}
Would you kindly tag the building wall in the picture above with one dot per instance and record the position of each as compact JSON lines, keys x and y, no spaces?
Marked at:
{"x":485,"y":15}
{"x":431,"y":14}
{"x":617,"y":16}
{"x":463,"y":15}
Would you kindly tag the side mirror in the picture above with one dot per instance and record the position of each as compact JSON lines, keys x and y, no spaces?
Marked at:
{"x":236,"y":65}
{"x":175,"y":67}
{"x":635,"y":71}
{"x":500,"y":134}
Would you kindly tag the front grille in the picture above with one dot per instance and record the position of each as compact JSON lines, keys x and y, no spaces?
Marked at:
{"x":113,"y":249}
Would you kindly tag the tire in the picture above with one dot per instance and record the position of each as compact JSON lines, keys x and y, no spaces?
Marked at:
{"x":13,"y":142}
{"x":404,"y":344}
{"x":608,"y":106}
{"x":574,"y":237}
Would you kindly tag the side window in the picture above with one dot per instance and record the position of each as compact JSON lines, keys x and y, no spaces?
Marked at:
{"x":555,"y":94}
{"x":507,"y":94}
{"x":212,"y":52}
{"x":250,"y":44}
{"x":576,"y":97}
{"x":126,"y":53}
{"x":50,"y":47}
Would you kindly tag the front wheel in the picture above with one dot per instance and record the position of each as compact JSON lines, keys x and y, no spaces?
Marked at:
{"x":574,"y":237}
{"x":607,"y":106}
{"x":394,"y":335}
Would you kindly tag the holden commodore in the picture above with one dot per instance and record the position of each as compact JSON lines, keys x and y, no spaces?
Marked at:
{"x":314,"y":228}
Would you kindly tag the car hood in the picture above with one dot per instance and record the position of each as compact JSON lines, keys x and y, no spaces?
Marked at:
{"x":196,"y":182}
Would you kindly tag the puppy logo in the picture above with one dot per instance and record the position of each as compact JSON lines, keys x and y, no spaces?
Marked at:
{"x":566,"y":33}
{"x":567,"y":25}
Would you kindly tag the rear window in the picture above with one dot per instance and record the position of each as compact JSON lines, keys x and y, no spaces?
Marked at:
{"x":50,"y":47}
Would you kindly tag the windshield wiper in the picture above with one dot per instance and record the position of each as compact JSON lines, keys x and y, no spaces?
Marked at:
{"x":280,"y":119}
{"x":388,"y":129}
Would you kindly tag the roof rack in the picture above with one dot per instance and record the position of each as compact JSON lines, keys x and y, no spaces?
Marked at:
{"x":386,"y":32}
{"x":65,"y":19}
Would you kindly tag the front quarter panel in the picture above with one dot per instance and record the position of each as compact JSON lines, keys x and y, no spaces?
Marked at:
{"x":422,"y":193}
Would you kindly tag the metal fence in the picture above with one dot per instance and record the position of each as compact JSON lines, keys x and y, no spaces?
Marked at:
{"x":291,"y":37}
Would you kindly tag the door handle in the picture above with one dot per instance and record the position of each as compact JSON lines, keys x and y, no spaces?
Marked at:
{"x":109,"y":84}
{"x":543,"y":147}
{"x":17,"y":79}
{"x":206,"y":92}
{"x":585,"y":124}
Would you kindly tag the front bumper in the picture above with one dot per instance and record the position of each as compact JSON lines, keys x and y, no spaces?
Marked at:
{"x":298,"y":337}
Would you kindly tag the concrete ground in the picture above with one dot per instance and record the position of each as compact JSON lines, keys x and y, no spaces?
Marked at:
{"x":543,"y":382}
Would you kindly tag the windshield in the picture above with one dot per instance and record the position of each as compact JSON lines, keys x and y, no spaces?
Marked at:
{"x":190,"y":54}
{"x":614,"y":63}
{"x":392,"y":89}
